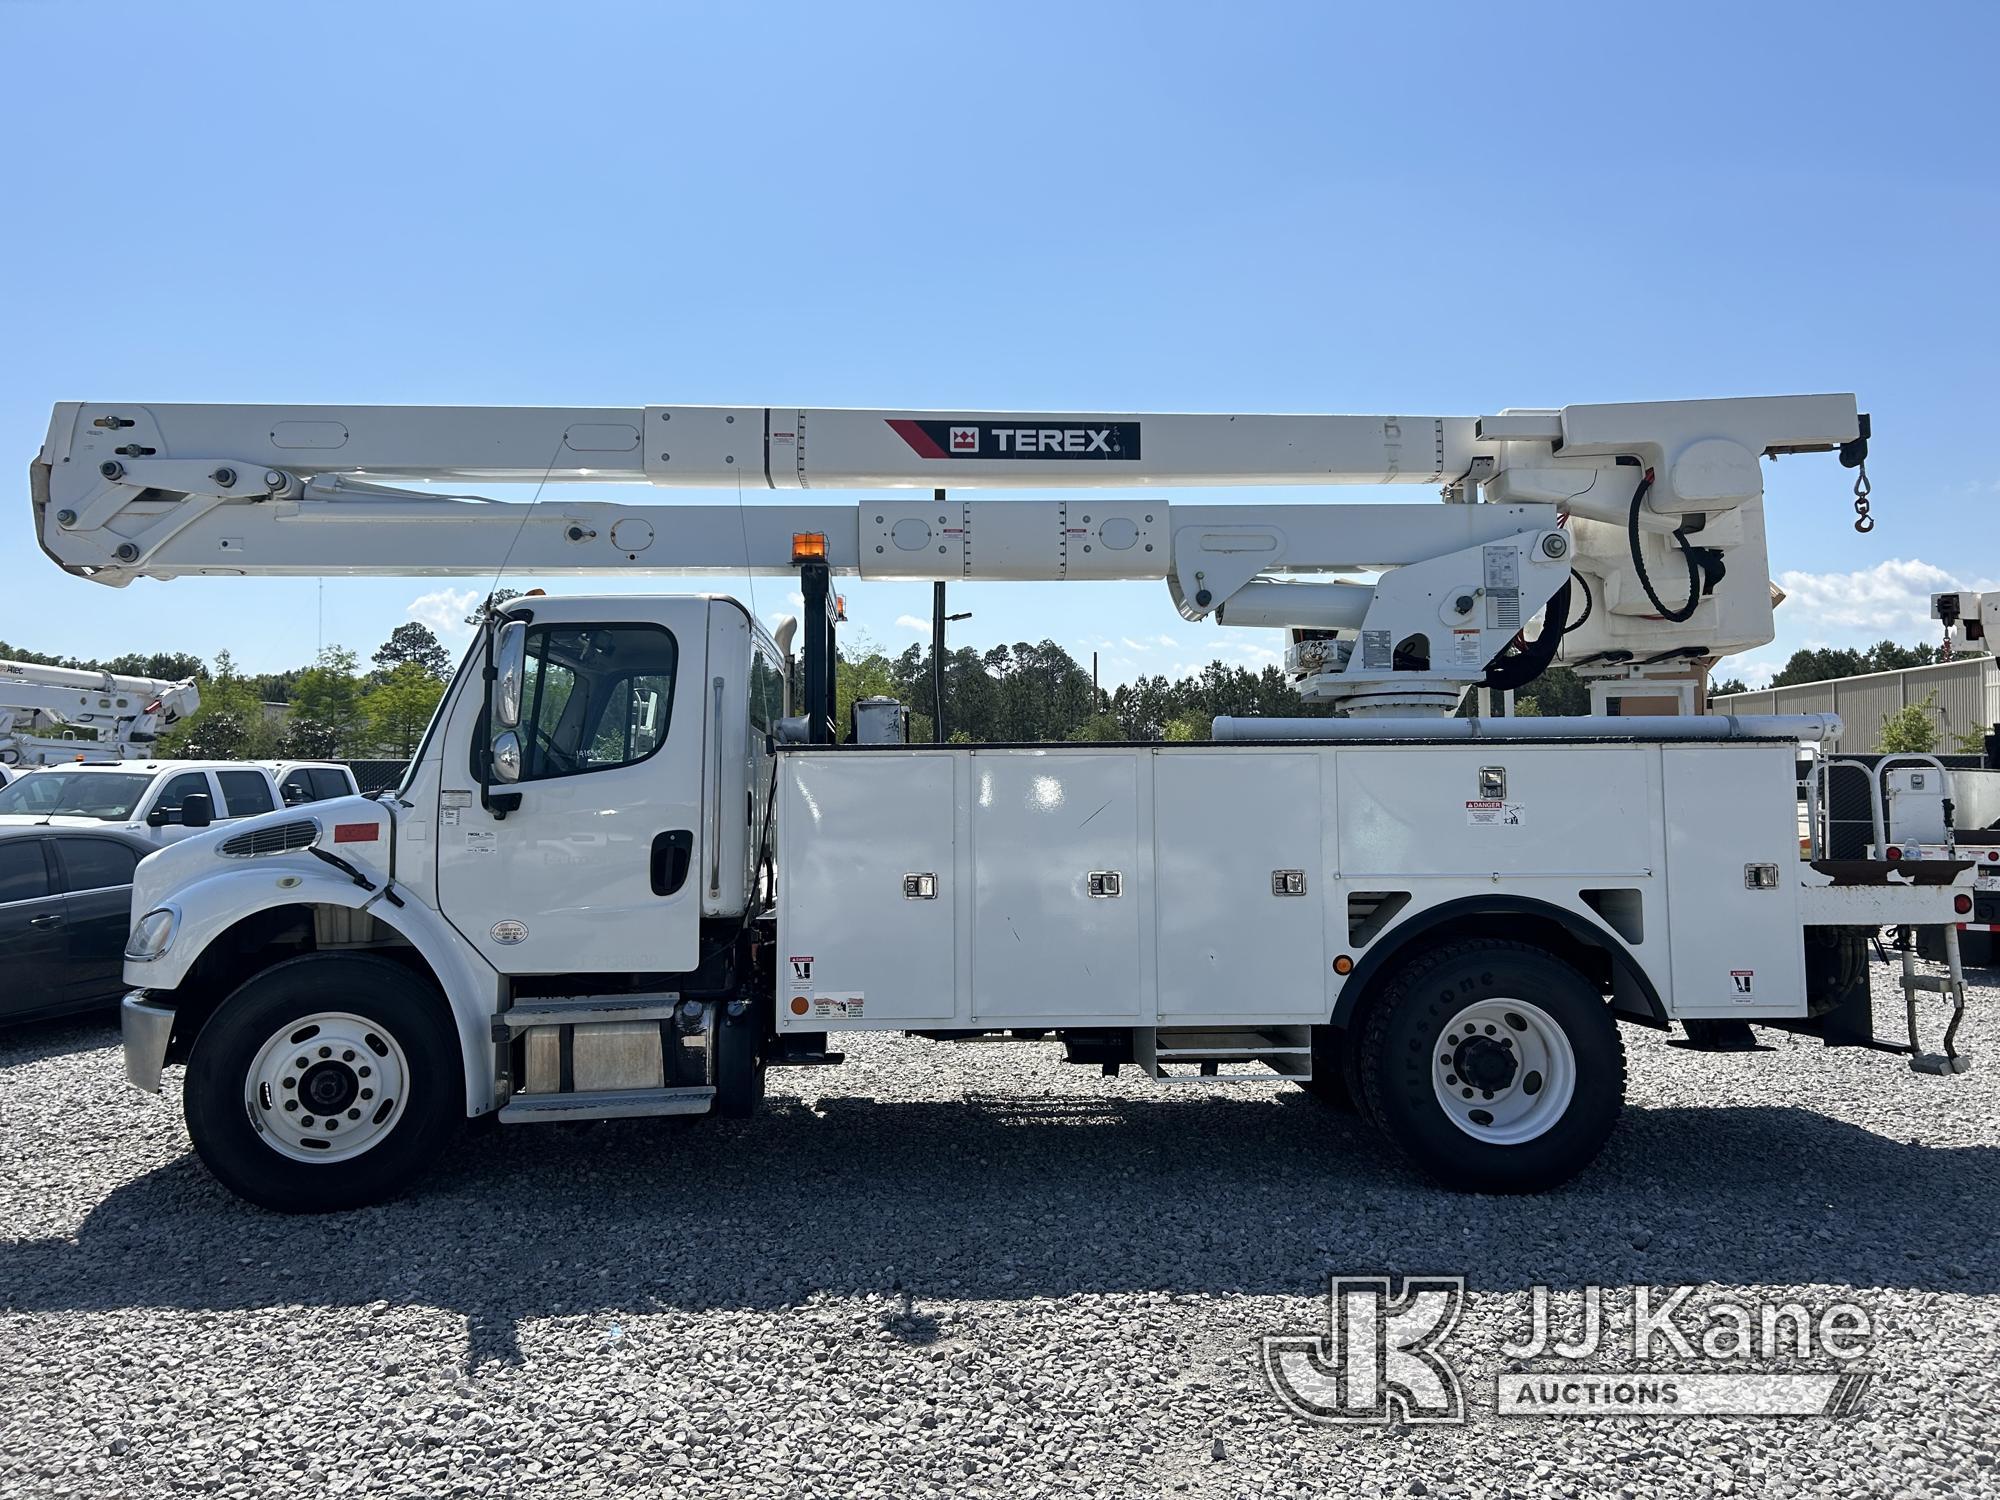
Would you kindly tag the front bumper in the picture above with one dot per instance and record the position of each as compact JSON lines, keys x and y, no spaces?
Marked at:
{"x":147,"y":1029}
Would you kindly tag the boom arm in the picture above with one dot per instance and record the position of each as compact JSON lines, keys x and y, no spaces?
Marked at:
{"x":123,"y":491}
{"x":127,"y":713}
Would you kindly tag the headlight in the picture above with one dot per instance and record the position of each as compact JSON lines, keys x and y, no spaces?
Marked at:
{"x":152,"y":934}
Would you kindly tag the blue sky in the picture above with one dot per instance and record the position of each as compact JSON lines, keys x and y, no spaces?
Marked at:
{"x":1421,"y":209}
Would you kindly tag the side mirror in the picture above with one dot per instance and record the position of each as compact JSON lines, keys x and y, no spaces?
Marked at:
{"x":510,"y":659}
{"x":295,"y":796}
{"x":157,"y":818}
{"x":197,"y":810}
{"x":506,"y":756}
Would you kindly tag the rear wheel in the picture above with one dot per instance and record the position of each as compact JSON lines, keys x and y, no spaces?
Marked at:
{"x":326,"y":1082}
{"x":1494,"y":1066}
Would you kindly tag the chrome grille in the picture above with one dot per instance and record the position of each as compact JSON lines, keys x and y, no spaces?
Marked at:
{"x":274,"y":839}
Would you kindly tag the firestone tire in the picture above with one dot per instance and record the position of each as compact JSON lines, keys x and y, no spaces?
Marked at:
{"x":357,"y":1043}
{"x":1494,"y":1066}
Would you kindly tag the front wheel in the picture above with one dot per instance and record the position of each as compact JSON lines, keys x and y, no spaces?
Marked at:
{"x":1494,"y":1066}
{"x":326,"y":1082}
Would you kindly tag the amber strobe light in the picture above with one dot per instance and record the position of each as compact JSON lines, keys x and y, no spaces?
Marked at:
{"x":808,"y":546}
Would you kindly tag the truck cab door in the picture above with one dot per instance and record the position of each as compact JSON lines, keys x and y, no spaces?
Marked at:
{"x":595,"y":870}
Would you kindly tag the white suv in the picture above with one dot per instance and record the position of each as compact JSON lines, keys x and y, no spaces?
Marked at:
{"x":165,"y":800}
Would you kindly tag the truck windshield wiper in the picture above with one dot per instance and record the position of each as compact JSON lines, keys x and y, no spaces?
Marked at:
{"x":355,"y":875}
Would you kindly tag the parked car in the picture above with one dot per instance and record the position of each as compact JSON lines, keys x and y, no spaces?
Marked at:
{"x":65,"y":909}
{"x":301,"y":781}
{"x":164,"y":800}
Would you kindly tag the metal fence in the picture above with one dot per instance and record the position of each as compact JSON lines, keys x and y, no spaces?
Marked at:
{"x":377,"y":775}
{"x":1965,"y":698}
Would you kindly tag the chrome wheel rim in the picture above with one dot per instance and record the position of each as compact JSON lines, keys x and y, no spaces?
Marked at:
{"x":327,"y":1088}
{"x":1503,"y":1071}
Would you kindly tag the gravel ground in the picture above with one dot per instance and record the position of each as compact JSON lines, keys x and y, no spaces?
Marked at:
{"x":964,"y":1269}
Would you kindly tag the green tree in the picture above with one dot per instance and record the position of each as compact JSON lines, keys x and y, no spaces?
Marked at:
{"x":1727,"y":686}
{"x":229,"y":725}
{"x":326,"y":706}
{"x":1187,"y":728}
{"x":868,"y":674}
{"x":1098,"y":728}
{"x":1827,"y":662}
{"x":170,"y":666}
{"x":493,"y":601}
{"x":1911,"y":729}
{"x":1557,"y":693}
{"x":413,"y":641}
{"x":398,"y":708}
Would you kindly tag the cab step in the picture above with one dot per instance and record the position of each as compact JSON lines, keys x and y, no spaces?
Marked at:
{"x":585,"y":1010}
{"x":606,"y":1104}
{"x":1253,"y":1054}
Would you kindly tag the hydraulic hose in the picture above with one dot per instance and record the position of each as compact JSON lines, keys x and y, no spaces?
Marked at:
{"x":1686,"y":611}
{"x":1509,"y":672}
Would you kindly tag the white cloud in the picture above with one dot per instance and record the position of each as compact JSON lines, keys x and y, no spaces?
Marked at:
{"x":1132,"y":645}
{"x":1257,"y":653}
{"x":1888,"y":599}
{"x":445,"y":610}
{"x":1167,"y":641}
{"x":911,"y":622}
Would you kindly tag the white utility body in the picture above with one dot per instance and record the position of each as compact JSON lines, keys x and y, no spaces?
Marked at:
{"x":628,"y":870}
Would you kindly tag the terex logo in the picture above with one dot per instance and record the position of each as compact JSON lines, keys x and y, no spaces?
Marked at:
{"x":1053,"y":439}
{"x":1016,"y":440}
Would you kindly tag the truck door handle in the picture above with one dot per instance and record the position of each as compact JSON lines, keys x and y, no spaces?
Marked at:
{"x":48,"y":921}
{"x":673,"y":853}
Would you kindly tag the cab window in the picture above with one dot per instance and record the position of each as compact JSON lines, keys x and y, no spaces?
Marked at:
{"x":331,"y":781}
{"x":315,"y":784}
{"x":244,"y":793}
{"x":179,"y":789}
{"x":767,"y":689}
{"x":594,"y":697}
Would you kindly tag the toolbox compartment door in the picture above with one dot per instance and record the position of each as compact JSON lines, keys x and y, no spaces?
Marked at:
{"x":1053,"y":833}
{"x":853,"y":943}
{"x":1237,"y":936}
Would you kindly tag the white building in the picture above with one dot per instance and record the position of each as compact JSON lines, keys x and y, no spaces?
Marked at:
{"x":1965,"y":698}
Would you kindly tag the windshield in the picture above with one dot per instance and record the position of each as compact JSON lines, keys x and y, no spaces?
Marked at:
{"x":110,"y":795}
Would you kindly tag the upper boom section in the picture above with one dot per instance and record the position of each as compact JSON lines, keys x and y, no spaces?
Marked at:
{"x":785,"y":448}
{"x":1608,"y":494}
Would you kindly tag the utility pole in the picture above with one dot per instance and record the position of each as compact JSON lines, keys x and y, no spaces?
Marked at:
{"x":937,"y":658}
